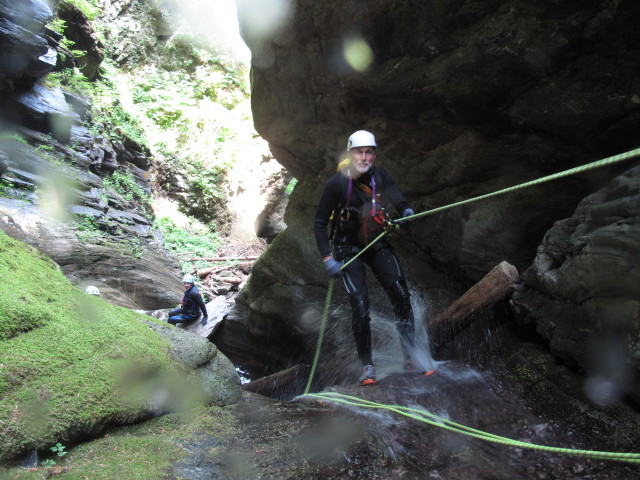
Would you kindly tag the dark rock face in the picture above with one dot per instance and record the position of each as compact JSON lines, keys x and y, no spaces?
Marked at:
{"x":465,"y":98}
{"x":53,"y":195}
{"x":80,"y":31}
{"x":97,"y":238}
{"x":23,"y":50}
{"x":583,"y":297}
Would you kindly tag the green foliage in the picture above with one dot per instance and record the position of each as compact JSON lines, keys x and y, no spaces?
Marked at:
{"x":71,"y":79}
{"x":65,"y":368}
{"x":87,"y":227}
{"x":6,"y":187}
{"x":88,"y":7}
{"x":58,"y":25}
{"x":191,"y":102}
{"x":124,"y":183}
{"x":110,"y":117}
{"x":193,"y":241}
{"x":207,"y":182}
{"x":58,"y":449}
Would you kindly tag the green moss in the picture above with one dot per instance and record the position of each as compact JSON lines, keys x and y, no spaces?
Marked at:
{"x":67,"y":360}
{"x":141,"y":451}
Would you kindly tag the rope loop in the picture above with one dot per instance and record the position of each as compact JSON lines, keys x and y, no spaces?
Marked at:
{"x":441,"y":422}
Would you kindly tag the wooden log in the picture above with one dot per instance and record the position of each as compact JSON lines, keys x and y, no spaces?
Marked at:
{"x":203,"y":272}
{"x":222,"y":259}
{"x":493,"y":287}
{"x":281,"y":385}
{"x":231,"y":280}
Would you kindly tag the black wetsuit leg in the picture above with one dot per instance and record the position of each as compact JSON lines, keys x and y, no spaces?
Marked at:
{"x":388,"y":272}
{"x":354,"y":279}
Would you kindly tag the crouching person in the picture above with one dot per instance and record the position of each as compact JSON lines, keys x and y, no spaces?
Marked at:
{"x":192,"y":304}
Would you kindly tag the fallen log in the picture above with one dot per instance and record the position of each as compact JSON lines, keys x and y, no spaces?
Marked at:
{"x":203,"y":272}
{"x":231,"y":280}
{"x":493,"y":287}
{"x":281,"y":385}
{"x":222,"y":259}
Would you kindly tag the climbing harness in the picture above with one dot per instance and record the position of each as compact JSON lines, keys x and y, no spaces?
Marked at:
{"x":366,"y":222}
{"x":423,"y":415}
{"x":441,"y":422}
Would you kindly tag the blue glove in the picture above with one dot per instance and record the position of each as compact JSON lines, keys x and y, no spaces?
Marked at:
{"x":333,"y":267}
{"x":407,"y":213}
{"x":204,"y":320}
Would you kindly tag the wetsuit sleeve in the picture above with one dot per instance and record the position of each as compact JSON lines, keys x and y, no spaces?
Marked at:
{"x":203,"y":307}
{"x":328,"y":202}
{"x":393,"y":192}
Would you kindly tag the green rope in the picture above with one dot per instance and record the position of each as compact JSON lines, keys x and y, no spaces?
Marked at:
{"x":325,"y":317}
{"x":440,"y":422}
{"x":589,"y":166}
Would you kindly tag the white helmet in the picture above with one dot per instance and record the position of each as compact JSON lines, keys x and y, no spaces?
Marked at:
{"x":361,"y":138}
{"x":188,"y":279}
{"x":91,"y":290}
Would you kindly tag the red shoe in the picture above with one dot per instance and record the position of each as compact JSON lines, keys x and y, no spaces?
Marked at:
{"x":368,"y":376}
{"x":410,"y":368}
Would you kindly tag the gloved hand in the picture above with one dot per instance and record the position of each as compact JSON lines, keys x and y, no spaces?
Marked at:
{"x":204,"y":320}
{"x":407,"y":213}
{"x":333,"y":266}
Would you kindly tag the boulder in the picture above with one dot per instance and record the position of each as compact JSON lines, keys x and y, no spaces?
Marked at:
{"x":96,"y":365}
{"x":583,"y":295}
{"x":218,"y":375}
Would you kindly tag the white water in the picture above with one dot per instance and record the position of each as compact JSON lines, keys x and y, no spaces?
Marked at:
{"x":387,"y":351}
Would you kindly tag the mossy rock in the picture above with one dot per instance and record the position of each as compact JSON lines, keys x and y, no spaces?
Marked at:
{"x":71,"y":363}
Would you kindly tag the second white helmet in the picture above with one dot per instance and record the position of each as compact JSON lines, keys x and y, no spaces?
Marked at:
{"x":188,"y":279}
{"x":361,"y":138}
{"x":91,"y":290}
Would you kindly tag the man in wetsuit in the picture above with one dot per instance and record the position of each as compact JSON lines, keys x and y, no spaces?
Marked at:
{"x":192,"y":304}
{"x":355,"y":196}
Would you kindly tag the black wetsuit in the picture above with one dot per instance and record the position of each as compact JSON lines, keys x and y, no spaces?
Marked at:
{"x":192,"y":304}
{"x":351,"y":213}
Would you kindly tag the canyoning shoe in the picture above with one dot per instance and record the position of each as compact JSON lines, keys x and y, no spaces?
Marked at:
{"x":368,"y":376}
{"x":409,"y":367}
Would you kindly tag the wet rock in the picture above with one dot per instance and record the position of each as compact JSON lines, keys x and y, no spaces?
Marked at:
{"x":219,"y":378}
{"x":46,"y":109}
{"x":583,"y":296}
{"x":315,"y":438}
{"x":24,"y":52}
